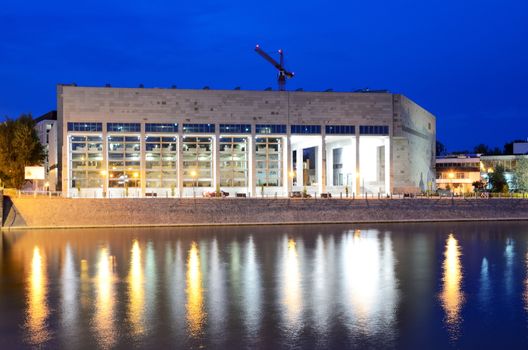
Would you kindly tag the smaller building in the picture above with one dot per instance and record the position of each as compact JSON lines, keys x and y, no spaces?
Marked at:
{"x":457,"y":173}
{"x":507,"y":162}
{"x":46,"y":126}
{"x":520,"y":147}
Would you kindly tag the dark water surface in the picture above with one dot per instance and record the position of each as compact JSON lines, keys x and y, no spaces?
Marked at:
{"x":344,"y":286}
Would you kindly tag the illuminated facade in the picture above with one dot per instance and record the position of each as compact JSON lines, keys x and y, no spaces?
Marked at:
{"x":123,"y":142}
{"x":457,"y":173}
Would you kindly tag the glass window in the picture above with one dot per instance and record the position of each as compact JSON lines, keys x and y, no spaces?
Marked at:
{"x":268,"y":158}
{"x":157,"y":127}
{"x":235,"y":128}
{"x":161,"y":162}
{"x":123,"y":127}
{"x":306,"y":129}
{"x":340,"y":129}
{"x":374,"y":129}
{"x":124,"y":159}
{"x":93,"y":127}
{"x":271,"y":129}
{"x":233,"y":161}
{"x":197,"y":153}
{"x":86,"y":161}
{"x":198,"y":128}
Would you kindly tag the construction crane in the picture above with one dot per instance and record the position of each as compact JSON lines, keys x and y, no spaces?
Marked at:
{"x":283,"y":73}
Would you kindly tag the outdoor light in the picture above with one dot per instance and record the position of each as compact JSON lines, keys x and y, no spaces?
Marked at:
{"x":136,"y":175}
{"x":451,"y":175}
{"x":193,"y":173}
{"x":103,"y":172}
{"x":490,"y":170}
{"x":292,"y":174}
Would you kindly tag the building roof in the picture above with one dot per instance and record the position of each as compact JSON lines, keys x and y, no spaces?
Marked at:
{"x":51,"y":115}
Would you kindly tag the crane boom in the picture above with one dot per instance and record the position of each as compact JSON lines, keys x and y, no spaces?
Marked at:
{"x":283,"y":73}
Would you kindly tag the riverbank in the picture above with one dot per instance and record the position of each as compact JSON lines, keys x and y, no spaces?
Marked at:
{"x":41,"y":213}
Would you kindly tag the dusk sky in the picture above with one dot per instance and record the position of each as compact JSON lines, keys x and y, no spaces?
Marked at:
{"x":464,"y":61}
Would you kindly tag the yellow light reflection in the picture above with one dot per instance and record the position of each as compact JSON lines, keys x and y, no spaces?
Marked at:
{"x":292,"y":284}
{"x":135,"y":291}
{"x":105,"y":300}
{"x":37,"y":306}
{"x":452,"y":296}
{"x":195,"y":307}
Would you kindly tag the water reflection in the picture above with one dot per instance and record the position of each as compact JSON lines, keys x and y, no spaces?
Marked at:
{"x":195,"y":307}
{"x":452,"y":296}
{"x":136,"y":292}
{"x":252,"y":293}
{"x":371,"y":291}
{"x":291,"y":286}
{"x":104,"y":318}
{"x":37,"y":303}
{"x":485,"y":288}
{"x":70,"y":306}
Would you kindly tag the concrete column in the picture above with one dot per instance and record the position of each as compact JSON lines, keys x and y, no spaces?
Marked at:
{"x":105,"y":161}
{"x":322,"y":166}
{"x":216,"y":156}
{"x":142,"y":172}
{"x":358,"y":170}
{"x":289,"y":163}
{"x":180,"y":159}
{"x":252,"y":176}
{"x":299,"y":167}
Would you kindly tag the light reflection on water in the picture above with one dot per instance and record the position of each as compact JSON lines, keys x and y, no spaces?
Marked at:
{"x":452,"y":296}
{"x":306,"y":287}
{"x":37,"y":304}
{"x":195,"y":310}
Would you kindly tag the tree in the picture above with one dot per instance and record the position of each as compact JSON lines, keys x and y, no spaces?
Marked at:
{"x":19,"y":147}
{"x":498,"y":181}
{"x":441,"y":150}
{"x":508,"y":147}
{"x":478,"y":186}
{"x":481,"y":148}
{"x":521,"y":174}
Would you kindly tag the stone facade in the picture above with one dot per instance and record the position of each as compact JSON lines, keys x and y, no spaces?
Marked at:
{"x":71,"y":212}
{"x":412,"y":130}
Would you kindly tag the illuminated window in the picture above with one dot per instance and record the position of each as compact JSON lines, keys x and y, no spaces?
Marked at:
{"x":268,"y":157}
{"x":123,"y":127}
{"x":124,"y":161}
{"x":197,"y":153}
{"x":86,"y":159}
{"x":161,"y":162}
{"x":270,"y":129}
{"x":233,"y":161}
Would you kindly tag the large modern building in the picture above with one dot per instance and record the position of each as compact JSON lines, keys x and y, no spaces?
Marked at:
{"x":46,"y":126}
{"x":137,"y":142}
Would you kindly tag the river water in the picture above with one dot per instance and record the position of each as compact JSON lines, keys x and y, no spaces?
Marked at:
{"x":449,"y":285}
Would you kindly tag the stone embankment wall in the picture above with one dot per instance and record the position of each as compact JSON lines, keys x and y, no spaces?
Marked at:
{"x":1,"y":207}
{"x":50,"y":212}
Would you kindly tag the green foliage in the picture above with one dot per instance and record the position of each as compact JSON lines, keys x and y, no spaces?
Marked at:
{"x":521,"y":174}
{"x":498,"y":181}
{"x":19,"y":147}
{"x":478,"y":186}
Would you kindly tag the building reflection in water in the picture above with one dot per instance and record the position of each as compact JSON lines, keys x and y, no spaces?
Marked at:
{"x":37,"y":303}
{"x":136,"y":292}
{"x":509,"y":256}
{"x":371,"y":290}
{"x":452,"y":296}
{"x":216,"y":294}
{"x":69,"y":293}
{"x":484,"y":294}
{"x":104,"y":317}
{"x":291,"y":286}
{"x":320,"y":288}
{"x":525,"y":295}
{"x":195,"y":303}
{"x":252,"y":297}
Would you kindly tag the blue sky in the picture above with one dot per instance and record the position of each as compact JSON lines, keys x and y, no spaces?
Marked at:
{"x":465,"y":61}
